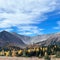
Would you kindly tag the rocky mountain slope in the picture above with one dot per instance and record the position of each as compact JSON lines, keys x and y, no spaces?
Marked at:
{"x":14,"y":39}
{"x":10,"y":39}
{"x":54,"y":39}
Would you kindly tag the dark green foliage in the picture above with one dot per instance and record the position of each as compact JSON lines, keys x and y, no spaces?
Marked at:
{"x":40,"y":56}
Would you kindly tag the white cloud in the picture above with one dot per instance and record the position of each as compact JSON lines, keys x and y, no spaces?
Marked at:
{"x":57,"y":27}
{"x":8,"y":29}
{"x":28,"y":30}
{"x":19,"y":12}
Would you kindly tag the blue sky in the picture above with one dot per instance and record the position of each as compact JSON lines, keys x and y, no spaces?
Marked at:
{"x":30,"y":17}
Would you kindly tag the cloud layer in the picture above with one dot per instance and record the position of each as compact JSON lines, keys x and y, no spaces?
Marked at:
{"x":23,"y":13}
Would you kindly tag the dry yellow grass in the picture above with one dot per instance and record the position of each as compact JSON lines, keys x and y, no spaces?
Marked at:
{"x":24,"y":58}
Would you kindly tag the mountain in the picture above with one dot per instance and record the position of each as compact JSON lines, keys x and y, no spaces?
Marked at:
{"x":53,"y":39}
{"x":25,"y":39}
{"x":39,"y":38}
{"x":10,"y":39}
{"x":16,"y":40}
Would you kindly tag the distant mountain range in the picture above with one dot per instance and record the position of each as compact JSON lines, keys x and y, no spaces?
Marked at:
{"x":13,"y":39}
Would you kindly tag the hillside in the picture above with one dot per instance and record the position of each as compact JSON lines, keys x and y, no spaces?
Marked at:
{"x":9,"y":39}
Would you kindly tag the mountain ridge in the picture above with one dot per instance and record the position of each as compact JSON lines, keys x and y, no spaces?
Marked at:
{"x":14,"y":39}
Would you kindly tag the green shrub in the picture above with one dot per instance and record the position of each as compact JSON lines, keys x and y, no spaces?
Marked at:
{"x":58,"y":54}
{"x":46,"y":57}
{"x":39,"y":56}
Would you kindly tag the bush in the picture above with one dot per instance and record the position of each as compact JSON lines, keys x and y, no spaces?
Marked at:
{"x":58,"y":54}
{"x":24,"y":54}
{"x":46,"y":57}
{"x":39,"y":56}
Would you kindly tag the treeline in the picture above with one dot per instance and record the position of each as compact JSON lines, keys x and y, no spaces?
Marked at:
{"x":38,"y":51}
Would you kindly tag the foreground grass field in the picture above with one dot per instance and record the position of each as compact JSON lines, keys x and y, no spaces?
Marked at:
{"x":24,"y":58}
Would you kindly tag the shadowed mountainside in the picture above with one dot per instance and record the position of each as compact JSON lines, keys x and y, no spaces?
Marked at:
{"x":9,"y":39}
